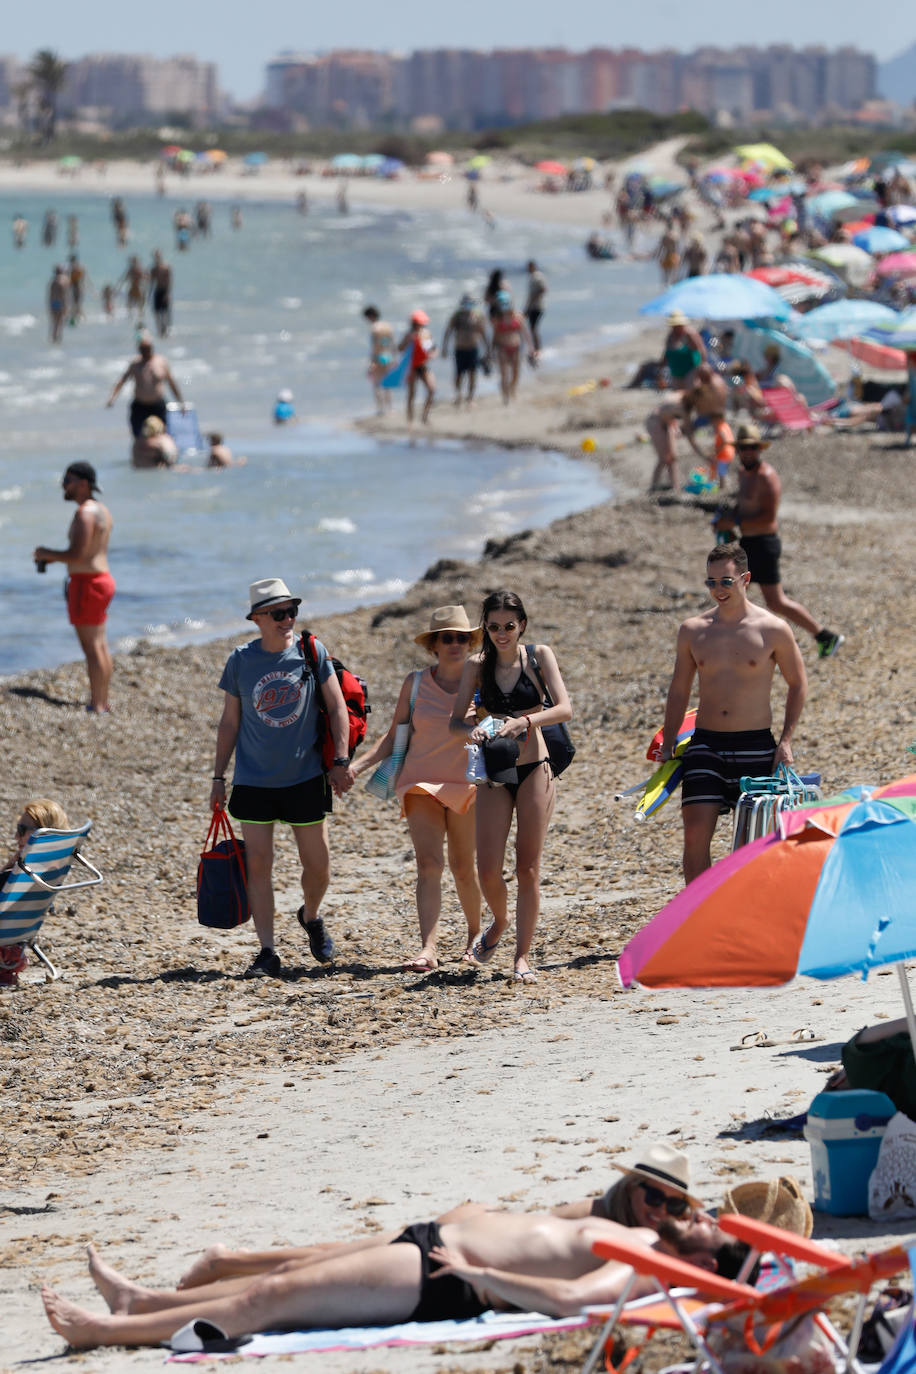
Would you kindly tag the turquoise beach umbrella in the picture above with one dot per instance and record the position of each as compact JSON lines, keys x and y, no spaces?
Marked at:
{"x":721,"y":296}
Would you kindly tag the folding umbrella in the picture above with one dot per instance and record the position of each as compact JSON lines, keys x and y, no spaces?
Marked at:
{"x":720,"y":296}
{"x":830,"y":893}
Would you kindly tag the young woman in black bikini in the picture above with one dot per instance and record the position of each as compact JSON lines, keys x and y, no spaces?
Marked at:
{"x":509,"y":690}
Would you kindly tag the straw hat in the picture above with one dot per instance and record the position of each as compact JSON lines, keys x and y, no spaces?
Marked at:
{"x":677,"y":317}
{"x":749,"y":436}
{"x":448,"y":618}
{"x":663,"y":1164}
{"x":779,"y":1201}
{"x":267,"y":592}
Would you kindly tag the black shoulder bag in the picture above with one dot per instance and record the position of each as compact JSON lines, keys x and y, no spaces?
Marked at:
{"x":560,"y":747}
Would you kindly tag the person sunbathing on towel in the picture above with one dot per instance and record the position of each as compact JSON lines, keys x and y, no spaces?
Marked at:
{"x":430,"y":1272}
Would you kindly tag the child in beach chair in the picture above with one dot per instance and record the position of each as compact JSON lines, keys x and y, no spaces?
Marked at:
{"x":732,"y":1326}
{"x":46,"y":847}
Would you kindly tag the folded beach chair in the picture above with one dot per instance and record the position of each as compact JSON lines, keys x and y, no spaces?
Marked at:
{"x":704,"y":1304}
{"x":40,"y":872}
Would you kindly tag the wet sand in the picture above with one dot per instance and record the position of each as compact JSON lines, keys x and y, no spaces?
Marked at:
{"x":159,"y":1102}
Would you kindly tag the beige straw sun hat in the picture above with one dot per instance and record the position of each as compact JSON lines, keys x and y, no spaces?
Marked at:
{"x":449,"y":618}
{"x":778,"y":1201}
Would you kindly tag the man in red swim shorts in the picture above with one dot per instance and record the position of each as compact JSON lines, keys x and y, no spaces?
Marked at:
{"x":90,"y":586}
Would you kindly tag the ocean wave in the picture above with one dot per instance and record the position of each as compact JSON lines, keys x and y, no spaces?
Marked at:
{"x":290,"y":302}
{"x":17,"y":324}
{"x":351,"y":577}
{"x":330,"y":525}
{"x":11,"y":494}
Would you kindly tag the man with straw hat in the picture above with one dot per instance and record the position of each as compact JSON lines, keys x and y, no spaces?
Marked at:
{"x":272,"y":718}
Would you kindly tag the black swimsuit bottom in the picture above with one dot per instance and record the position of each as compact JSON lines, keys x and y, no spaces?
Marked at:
{"x":445,"y":1299}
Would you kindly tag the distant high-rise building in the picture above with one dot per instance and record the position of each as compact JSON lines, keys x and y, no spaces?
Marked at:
{"x":466,"y":88}
{"x":127,"y":86}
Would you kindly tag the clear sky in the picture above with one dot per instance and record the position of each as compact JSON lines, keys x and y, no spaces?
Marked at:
{"x":242,"y":39}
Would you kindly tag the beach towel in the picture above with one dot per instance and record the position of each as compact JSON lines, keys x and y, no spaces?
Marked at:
{"x":490,"y":1326}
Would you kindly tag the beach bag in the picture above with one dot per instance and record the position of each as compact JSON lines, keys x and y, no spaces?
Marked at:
{"x":355,"y":695}
{"x":560,"y":747}
{"x":797,"y":1346}
{"x":384,"y":780}
{"x":222,"y":879}
{"x":892,"y":1185}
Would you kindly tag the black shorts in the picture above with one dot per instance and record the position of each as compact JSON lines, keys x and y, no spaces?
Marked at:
{"x":142,"y":410}
{"x":445,"y":1299}
{"x":534,"y":318}
{"x":763,"y":552}
{"x":307,"y":803}
{"x":466,"y":360}
{"x":714,"y":760}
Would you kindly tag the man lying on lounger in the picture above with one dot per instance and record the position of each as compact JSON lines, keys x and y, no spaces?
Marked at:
{"x":429,"y":1272}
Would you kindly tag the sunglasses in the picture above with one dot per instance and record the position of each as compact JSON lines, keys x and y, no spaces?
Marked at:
{"x":726,"y":582}
{"x":453,"y":637}
{"x":509,"y":626}
{"x":674,"y":1206}
{"x":23,"y":830}
{"x":281,"y":613}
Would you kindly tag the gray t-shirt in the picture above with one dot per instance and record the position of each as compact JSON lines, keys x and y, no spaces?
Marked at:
{"x":277,"y":744}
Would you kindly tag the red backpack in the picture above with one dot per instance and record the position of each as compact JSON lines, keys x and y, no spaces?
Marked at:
{"x":355,"y":694}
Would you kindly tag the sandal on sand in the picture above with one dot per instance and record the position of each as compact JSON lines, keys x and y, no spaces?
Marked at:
{"x":483,"y":952}
{"x":422,"y":964}
{"x":524,"y":975}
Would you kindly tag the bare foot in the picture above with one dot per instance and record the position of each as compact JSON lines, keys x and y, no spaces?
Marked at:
{"x":206,"y":1269}
{"x":117,"y":1291}
{"x":79,"y":1328}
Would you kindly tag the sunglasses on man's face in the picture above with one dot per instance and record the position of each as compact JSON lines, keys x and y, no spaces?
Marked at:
{"x":724,"y":582}
{"x":674,"y":1206}
{"x":279,"y":613}
{"x":453,"y":637}
{"x":23,"y":830}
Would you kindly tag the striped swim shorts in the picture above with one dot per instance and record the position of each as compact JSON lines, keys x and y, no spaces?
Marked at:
{"x":714,"y":760}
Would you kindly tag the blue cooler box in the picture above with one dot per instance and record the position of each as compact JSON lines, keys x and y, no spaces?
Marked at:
{"x":844,"y":1131}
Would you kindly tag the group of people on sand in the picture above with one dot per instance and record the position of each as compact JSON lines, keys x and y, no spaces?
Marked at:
{"x":475,"y":341}
{"x":485,"y":686}
{"x":466,"y":1261}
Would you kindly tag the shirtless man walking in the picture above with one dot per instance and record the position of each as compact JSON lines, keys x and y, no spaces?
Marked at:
{"x":429,"y":1272}
{"x":756,"y":511}
{"x":90,"y":585}
{"x":149,"y":373}
{"x":160,"y":282}
{"x":734,"y":648}
{"x":708,"y":398}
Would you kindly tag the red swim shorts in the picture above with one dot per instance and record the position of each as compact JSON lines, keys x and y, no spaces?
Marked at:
{"x":88,"y":597}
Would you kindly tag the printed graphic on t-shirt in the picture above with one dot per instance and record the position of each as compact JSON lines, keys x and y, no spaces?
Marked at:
{"x":278,"y":699}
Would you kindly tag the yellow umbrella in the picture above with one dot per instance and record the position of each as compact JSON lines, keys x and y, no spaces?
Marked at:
{"x":765,"y":155}
{"x":479,"y":160}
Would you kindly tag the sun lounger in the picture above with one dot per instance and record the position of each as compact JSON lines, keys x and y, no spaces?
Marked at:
{"x":788,"y":412}
{"x":40,"y":872}
{"x":700,"y":1302}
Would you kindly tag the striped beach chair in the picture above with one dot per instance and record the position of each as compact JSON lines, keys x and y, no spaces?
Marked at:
{"x":40,"y":872}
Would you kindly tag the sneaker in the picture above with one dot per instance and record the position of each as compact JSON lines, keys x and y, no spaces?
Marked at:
{"x":320,"y":942}
{"x":266,"y":964}
{"x":828,"y":643}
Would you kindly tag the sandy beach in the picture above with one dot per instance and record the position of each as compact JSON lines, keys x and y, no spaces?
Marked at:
{"x":161,"y":1103}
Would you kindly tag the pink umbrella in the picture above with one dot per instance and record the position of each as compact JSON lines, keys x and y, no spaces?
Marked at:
{"x":897,"y":265}
{"x":879,"y":356}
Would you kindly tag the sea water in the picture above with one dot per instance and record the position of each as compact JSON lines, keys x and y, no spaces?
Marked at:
{"x":344,"y":518}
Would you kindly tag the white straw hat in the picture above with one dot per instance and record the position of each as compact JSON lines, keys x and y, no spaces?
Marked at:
{"x":267,"y":592}
{"x":663,"y":1164}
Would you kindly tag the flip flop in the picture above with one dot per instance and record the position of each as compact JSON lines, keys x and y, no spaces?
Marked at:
{"x":422,"y":964}
{"x":527,"y":976}
{"x":483,"y":952}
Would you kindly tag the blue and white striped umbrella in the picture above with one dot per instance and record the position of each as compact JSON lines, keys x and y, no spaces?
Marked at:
{"x":901,"y":334}
{"x":844,"y":320}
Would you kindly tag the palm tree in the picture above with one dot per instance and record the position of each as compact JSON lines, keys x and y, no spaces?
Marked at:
{"x":49,"y":74}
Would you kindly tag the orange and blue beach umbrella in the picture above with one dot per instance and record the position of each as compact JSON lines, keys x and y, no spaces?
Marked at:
{"x":830,"y":893}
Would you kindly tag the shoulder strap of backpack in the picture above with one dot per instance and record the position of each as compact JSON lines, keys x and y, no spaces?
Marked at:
{"x":536,"y":668}
{"x":307,"y":644}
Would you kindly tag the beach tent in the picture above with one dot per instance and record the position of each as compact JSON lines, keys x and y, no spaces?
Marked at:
{"x":765,"y":155}
{"x":796,"y":360}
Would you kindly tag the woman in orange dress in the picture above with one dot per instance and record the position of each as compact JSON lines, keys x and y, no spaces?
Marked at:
{"x":436,"y":799}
